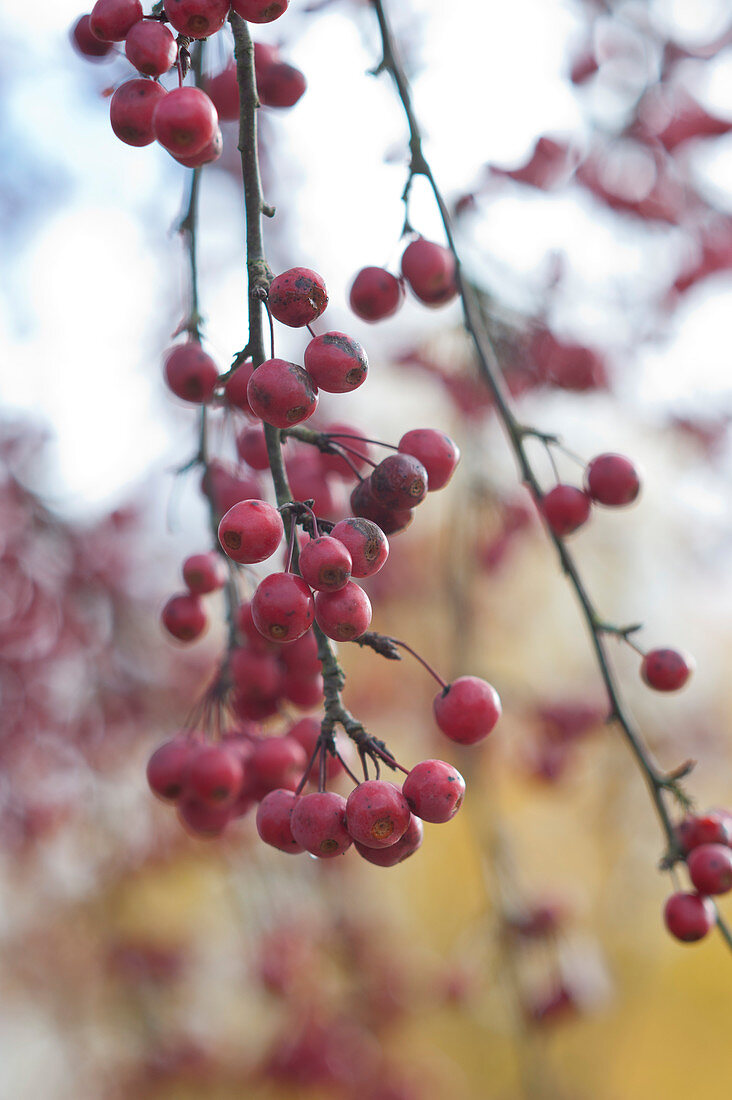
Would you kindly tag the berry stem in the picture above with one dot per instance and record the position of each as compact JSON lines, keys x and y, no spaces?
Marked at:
{"x":425,"y":664}
{"x":490,"y":372}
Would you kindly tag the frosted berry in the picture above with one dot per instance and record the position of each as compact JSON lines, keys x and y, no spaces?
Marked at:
{"x":434,"y":790}
{"x":375,"y":294}
{"x":223,"y":91}
{"x":251,"y":531}
{"x":297,"y":297}
{"x":251,"y":446}
{"x":184,"y":617}
{"x":167,"y":766}
{"x":282,"y":607}
{"x":429,"y":269}
{"x":259,"y":11}
{"x":366,"y":543}
{"x":390,"y":520}
{"x":112,"y":20}
{"x":281,"y":393}
{"x":151,"y":48}
{"x":435,"y":450}
{"x":325,"y":564}
{"x":204,"y":573}
{"x":197,"y":18}
{"x":214,"y":775}
{"x":612,"y":480}
{"x":185,"y":121}
{"x":345,"y":614}
{"x":318,"y":823}
{"x":666,"y":669}
{"x":377,"y":813}
{"x":565,"y":509}
{"x":235,"y":390}
{"x":86,"y":42}
{"x":712,"y":828}
{"x":207,"y":155}
{"x":689,"y":917}
{"x":131,"y":111}
{"x":280,"y":84}
{"x":273,"y":821}
{"x":399,"y":481}
{"x":406,"y":846}
{"x":337,"y":363}
{"x":191,"y":374}
{"x":467,"y":709}
{"x":710,"y":868}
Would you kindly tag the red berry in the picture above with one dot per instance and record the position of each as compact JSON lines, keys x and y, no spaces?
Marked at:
{"x":225,"y":487}
{"x":112,"y":20}
{"x":281,"y":393}
{"x":204,"y":573}
{"x":235,"y":390}
{"x":297,"y":297}
{"x":207,"y":155}
{"x":308,"y":481}
{"x":318,"y":822}
{"x":390,"y":520}
{"x":666,"y":669}
{"x":565,"y":509}
{"x":190,"y":373}
{"x":325,"y":564}
{"x":202,"y":820}
{"x":434,"y":790}
{"x":197,"y":18}
{"x":301,"y":656}
{"x":710,"y":868}
{"x":251,"y":531}
{"x":259,"y":11}
{"x":251,"y":446}
{"x":689,"y":917}
{"x":375,"y":294}
{"x":345,"y":614}
{"x":280,"y":84}
{"x":167,"y":766}
{"x":435,"y":450}
{"x":377,"y":813}
{"x":467,"y":709}
{"x":304,"y":690}
{"x":712,"y":828}
{"x":273,"y":821}
{"x":131,"y":110}
{"x":282,"y":607}
{"x":185,"y":121}
{"x":337,"y":363}
{"x":223,"y":91}
{"x":255,"y":673}
{"x":86,"y":42}
{"x":278,"y":762}
{"x":612,"y":480}
{"x":429,"y":269}
{"x":214,"y":775}
{"x":366,"y":543}
{"x":399,"y":481}
{"x":406,"y":846}
{"x":151,"y":48}
{"x":184,"y":617}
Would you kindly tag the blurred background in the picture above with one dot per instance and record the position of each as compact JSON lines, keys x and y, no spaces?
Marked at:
{"x":585,"y":151}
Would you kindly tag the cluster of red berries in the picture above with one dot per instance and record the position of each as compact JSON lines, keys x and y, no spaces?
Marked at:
{"x":707,"y":844}
{"x":214,"y":783}
{"x":184,"y":615}
{"x":184,"y":120}
{"x":428,"y":269}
